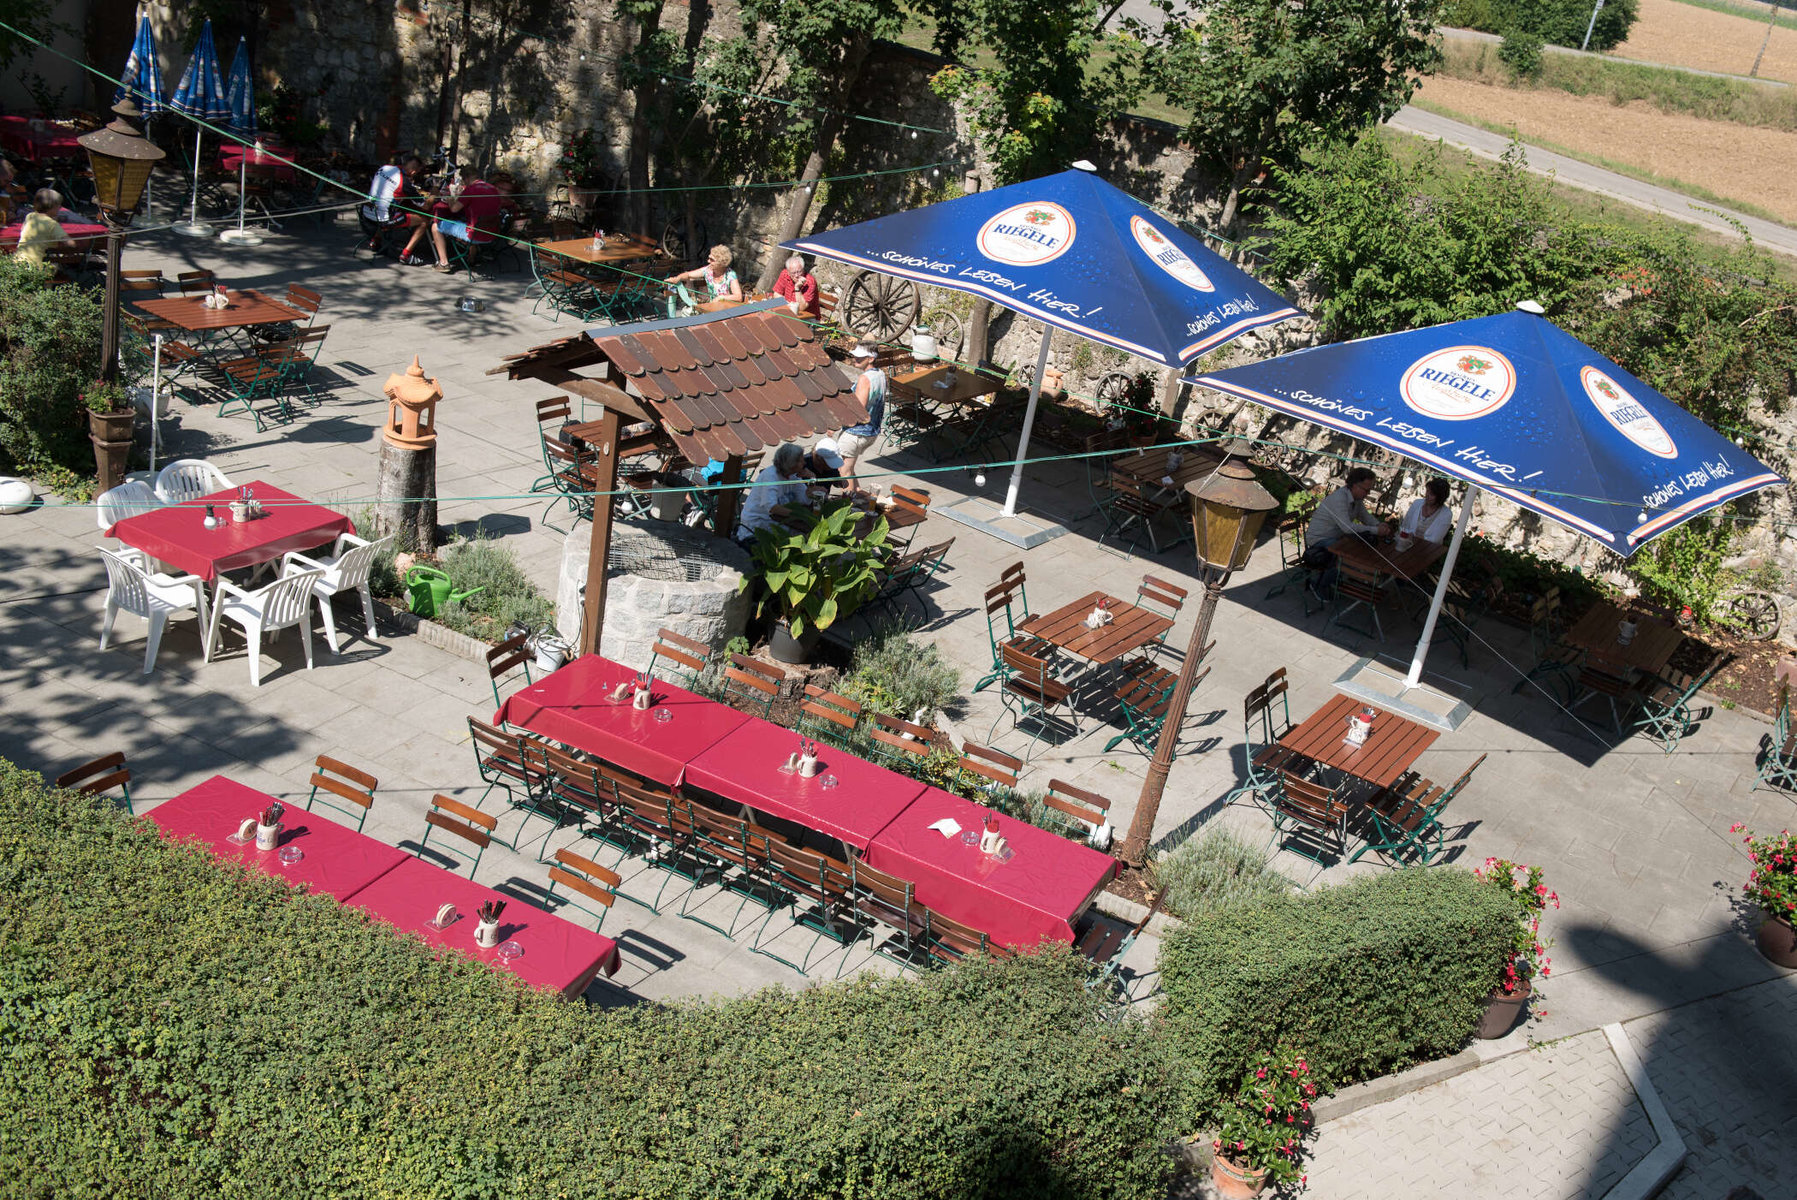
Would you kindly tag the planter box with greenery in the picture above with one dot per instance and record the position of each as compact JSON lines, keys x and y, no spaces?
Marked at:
{"x":810,"y":577}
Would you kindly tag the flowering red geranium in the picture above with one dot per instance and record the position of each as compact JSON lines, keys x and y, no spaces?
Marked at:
{"x":1264,"y":1126}
{"x":1772,"y":884}
{"x":1527,"y":957}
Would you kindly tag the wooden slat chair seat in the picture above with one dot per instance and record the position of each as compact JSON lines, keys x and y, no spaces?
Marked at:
{"x":739,"y":851}
{"x":898,"y":741}
{"x":1089,"y":809}
{"x":586,"y":879}
{"x":1032,"y":693}
{"x":1144,"y":696}
{"x":678,"y":659}
{"x":1103,"y":943}
{"x":1302,"y":808}
{"x":1665,"y":703}
{"x":1607,"y":677}
{"x":1402,"y":820}
{"x":460,"y":820}
{"x":749,"y":684}
{"x":823,"y":882}
{"x":252,"y":378}
{"x":907,"y":502}
{"x":892,"y":903}
{"x":948,"y":941}
{"x":99,"y":776}
{"x":828,"y":717}
{"x":297,"y":356}
{"x":998,"y":768}
{"x":508,"y":656}
{"x":350,"y":786}
{"x":1131,"y":506}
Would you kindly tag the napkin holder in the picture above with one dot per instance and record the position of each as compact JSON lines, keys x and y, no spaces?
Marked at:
{"x":1166,"y":481}
{"x":486,"y":934}
{"x":621,"y":692}
{"x":268,"y":836}
{"x":792,"y":762}
{"x":246,"y":833}
{"x":808,"y":765}
{"x":446,"y":916}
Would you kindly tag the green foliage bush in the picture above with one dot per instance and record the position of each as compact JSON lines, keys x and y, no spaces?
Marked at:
{"x":1362,"y":979}
{"x":1213,"y":871}
{"x":1521,"y":52}
{"x":177,"y":1027}
{"x":507,"y":596}
{"x":895,"y":673}
{"x":1561,"y":22}
{"x":49,"y":352}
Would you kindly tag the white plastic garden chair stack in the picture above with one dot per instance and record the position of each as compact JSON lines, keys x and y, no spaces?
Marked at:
{"x":154,"y":597}
{"x":128,"y":499}
{"x":346,"y":570}
{"x":267,"y":610}
{"x":189,"y":479}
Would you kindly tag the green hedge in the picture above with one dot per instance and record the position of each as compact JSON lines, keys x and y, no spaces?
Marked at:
{"x":1364,"y":978}
{"x":1561,"y":22}
{"x":174,"y":1026}
{"x":49,"y":352}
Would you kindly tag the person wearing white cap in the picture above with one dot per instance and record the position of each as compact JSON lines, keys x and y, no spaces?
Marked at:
{"x":824,"y":463}
{"x":870,"y":392}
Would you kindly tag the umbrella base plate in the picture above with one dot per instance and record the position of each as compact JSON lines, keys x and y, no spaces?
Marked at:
{"x":1382,"y":684}
{"x":987,"y":516}
{"x":241,"y":237}
{"x":193,"y":231}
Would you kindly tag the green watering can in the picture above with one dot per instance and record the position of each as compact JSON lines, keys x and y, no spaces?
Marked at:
{"x":428,"y":590}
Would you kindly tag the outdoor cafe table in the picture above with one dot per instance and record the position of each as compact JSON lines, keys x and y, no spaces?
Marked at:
{"x":1044,"y":888}
{"x":557,"y":954}
{"x":1393,"y":745}
{"x":1149,"y":467}
{"x":1386,"y":559}
{"x":50,"y":140}
{"x":746,"y":766}
{"x":618,"y":248}
{"x":177,"y":535}
{"x":338,"y":861}
{"x":574,"y":706}
{"x":932,"y":386}
{"x":244,"y":309}
{"x":77,"y":232}
{"x":1130,"y":629}
{"x":273,"y":160}
{"x":1654,"y":643}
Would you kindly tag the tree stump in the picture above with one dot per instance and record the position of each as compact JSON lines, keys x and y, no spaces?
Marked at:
{"x":407,"y":496}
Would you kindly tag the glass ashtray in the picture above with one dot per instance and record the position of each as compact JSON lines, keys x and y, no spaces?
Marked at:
{"x":291,"y":854}
{"x":970,"y":837}
{"x":507,"y":951}
{"x":829,"y":781}
{"x":664,"y":715}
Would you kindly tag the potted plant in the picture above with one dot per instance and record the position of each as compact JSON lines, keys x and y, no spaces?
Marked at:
{"x":1772,"y":884}
{"x":1261,"y":1130}
{"x":814,"y":575}
{"x":580,"y":165}
{"x":110,"y":420}
{"x":1527,"y":955}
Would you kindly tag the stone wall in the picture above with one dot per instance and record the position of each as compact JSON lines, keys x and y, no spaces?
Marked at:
{"x":661,"y":574}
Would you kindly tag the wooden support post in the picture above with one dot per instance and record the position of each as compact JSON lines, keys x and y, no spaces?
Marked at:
{"x":605,"y":463}
{"x":730,"y":499}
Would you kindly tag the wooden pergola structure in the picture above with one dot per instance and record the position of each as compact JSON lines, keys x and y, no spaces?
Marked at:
{"x":715,"y":386}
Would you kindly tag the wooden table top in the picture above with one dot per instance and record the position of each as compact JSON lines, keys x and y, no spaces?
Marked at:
{"x":1130,"y":629}
{"x":1150,"y":466}
{"x":1382,"y":558}
{"x":968,"y":386}
{"x":1394,"y":744}
{"x":618,"y":248}
{"x":247,"y":308}
{"x":1654,"y":643}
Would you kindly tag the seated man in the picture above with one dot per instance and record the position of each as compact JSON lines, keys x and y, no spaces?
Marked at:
{"x":798,"y":287}
{"x":778,"y":488}
{"x":824,"y":463}
{"x":41,"y":229}
{"x":1429,"y":516}
{"x":393,"y":185}
{"x":477,"y":206}
{"x":1341,"y":514}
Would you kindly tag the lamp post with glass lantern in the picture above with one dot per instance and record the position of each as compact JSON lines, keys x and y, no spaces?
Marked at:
{"x":121,"y":158}
{"x":1228,"y":507}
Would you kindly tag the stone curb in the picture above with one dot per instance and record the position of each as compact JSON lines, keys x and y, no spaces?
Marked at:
{"x":1650,"y":1174}
{"x":1129,"y":912}
{"x":433,"y":634}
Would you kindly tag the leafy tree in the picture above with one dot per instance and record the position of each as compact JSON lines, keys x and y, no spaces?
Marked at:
{"x":1267,"y":80}
{"x":1562,"y":22}
{"x":49,"y":353}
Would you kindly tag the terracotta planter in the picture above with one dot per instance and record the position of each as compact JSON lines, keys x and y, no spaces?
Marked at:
{"x":1778,"y":941}
{"x":112,"y":426}
{"x":1236,"y":1182}
{"x":1502,"y":1012}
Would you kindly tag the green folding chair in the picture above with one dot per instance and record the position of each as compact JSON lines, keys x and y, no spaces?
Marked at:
{"x":1777,"y":767}
{"x":805,"y":875}
{"x":738,"y":852}
{"x":1032,"y":693}
{"x":100,"y":776}
{"x":459,"y":820}
{"x":348,"y":785}
{"x":1665,"y":712}
{"x":507,"y":657}
{"x":587,"y":880}
{"x":678,"y":659}
{"x":828,"y":717}
{"x":749,"y":683}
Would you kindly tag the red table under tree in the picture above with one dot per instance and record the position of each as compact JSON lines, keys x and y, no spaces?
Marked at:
{"x":558,"y":954}
{"x":176,"y":533}
{"x":1046,"y":886}
{"x":574,"y":706}
{"x":338,"y":861}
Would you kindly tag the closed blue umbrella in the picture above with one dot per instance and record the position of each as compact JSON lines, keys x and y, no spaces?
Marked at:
{"x":200,"y":94}
{"x":240,"y":96}
{"x":142,"y":77}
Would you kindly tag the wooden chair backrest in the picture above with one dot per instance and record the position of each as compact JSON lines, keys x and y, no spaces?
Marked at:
{"x":1034,"y":671}
{"x":194,"y":281}
{"x":957,"y":939}
{"x":995,"y":765}
{"x":837,"y":710}
{"x":508,"y":656}
{"x":692,"y":660}
{"x":1089,"y":807}
{"x":910,"y":499}
{"x":692,"y":646}
{"x":819,"y":877}
{"x":556,"y":408}
{"x":344,"y":781}
{"x":1310,"y":798}
{"x":899,"y":894}
{"x":891,"y":731}
{"x":754,"y":674}
{"x":1357,"y":583}
{"x":1159,"y":591}
{"x":1454,"y":788}
{"x":141,"y":281}
{"x":468,"y":823}
{"x":585,"y":876}
{"x":304,"y":298}
{"x":103,"y":773}
{"x":494,"y":740}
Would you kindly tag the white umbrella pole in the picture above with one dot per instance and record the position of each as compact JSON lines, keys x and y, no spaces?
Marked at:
{"x":193,"y":228}
{"x":1029,"y":419}
{"x":243,"y":183}
{"x":155,"y":397}
{"x":1441,"y":589}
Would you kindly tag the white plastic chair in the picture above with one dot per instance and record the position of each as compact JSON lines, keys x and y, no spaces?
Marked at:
{"x":189,"y":479}
{"x":135,"y":589}
{"x":267,"y":610}
{"x":345,"y":571}
{"x":128,"y":499}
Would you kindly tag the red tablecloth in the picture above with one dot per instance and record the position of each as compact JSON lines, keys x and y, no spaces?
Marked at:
{"x":10,"y":235}
{"x":1048,"y":882}
{"x":177,"y":534}
{"x":338,"y":860}
{"x":231,"y":155}
{"x":746,"y":766}
{"x":557,"y":954}
{"x":53,"y":141}
{"x":573,"y":706}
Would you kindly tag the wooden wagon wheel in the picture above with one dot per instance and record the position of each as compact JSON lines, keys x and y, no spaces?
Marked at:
{"x":1113,"y":390}
{"x":946,"y":327}
{"x":879,"y":306}
{"x":673,"y":239}
{"x":1753,"y":615}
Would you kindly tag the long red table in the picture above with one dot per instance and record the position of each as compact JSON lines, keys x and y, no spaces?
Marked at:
{"x":337,"y":860}
{"x":177,"y":534}
{"x":746,"y":766}
{"x":51,"y":140}
{"x":574,"y":706}
{"x":1045,"y":886}
{"x":557,"y":954}
{"x":78,"y":232}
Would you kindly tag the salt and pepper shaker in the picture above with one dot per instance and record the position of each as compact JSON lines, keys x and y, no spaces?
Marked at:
{"x":211,"y":521}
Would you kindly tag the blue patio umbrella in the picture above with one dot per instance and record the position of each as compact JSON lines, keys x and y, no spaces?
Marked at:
{"x":142,"y":76}
{"x":240,"y":95}
{"x":1074,"y":253}
{"x":1515,"y":405}
{"x":200,"y":94}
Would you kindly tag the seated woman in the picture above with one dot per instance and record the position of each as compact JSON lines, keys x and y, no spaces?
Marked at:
{"x":41,"y":229}
{"x":1429,"y":516}
{"x":720,"y":281}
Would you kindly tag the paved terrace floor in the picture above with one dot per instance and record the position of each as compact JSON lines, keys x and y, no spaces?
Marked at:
{"x":1636,"y":841}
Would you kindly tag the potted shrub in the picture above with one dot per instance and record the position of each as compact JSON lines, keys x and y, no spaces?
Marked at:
{"x":1527,"y":957}
{"x":1772,"y":884}
{"x":110,"y":420}
{"x":1261,"y":1131}
{"x":580,"y":165}
{"x":815,"y":575}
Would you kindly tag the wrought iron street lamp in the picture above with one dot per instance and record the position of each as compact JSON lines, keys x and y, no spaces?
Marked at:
{"x":1228,"y":508}
{"x":121,"y":158}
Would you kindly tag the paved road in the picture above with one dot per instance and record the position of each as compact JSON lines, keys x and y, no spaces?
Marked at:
{"x":1570,"y":171}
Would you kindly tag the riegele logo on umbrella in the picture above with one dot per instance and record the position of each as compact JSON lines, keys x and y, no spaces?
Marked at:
{"x":1168,"y":257}
{"x":1027,"y":235}
{"x":1625,"y":412}
{"x":1459,"y":383}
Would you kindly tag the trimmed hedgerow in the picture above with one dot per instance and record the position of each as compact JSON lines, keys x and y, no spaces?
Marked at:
{"x":174,"y":1026}
{"x":1362,"y":979}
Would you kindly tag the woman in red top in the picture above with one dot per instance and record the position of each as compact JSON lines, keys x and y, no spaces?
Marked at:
{"x":798,"y":287}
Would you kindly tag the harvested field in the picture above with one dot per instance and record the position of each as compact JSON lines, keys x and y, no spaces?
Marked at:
{"x":1739,"y":162}
{"x":1687,"y":36}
